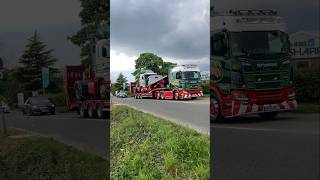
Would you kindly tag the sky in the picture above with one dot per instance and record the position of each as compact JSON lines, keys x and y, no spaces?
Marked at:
{"x":54,"y":20}
{"x":176,"y":30}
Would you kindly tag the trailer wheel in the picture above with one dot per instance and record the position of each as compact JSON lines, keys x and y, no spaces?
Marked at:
{"x":83,"y":112}
{"x":91,"y":112}
{"x":100,"y":113}
{"x":217,"y":116}
{"x":162,"y":95}
{"x":176,"y":95}
{"x":268,"y":115}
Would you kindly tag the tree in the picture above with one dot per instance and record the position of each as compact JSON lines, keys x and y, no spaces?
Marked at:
{"x":95,"y":22}
{"x":119,"y":82}
{"x":35,"y":56}
{"x":152,"y":62}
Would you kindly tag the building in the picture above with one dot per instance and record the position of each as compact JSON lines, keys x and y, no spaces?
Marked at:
{"x":305,"y":49}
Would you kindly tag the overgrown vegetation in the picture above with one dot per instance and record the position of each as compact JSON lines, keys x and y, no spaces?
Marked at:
{"x":44,"y":158}
{"x":307,"y":85}
{"x":147,"y":147}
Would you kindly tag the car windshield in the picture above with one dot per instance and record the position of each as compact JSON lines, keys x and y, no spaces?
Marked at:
{"x":190,"y":75}
{"x":39,"y":101}
{"x":258,"y":42}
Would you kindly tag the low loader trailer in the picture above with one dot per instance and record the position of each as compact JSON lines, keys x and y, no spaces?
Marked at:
{"x":90,"y":97}
{"x":182,"y":82}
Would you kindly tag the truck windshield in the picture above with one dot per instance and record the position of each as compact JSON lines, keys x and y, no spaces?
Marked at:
{"x":190,"y":75}
{"x":258,"y":42}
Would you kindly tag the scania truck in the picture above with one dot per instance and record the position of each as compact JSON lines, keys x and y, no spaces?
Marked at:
{"x":251,"y":70}
{"x":182,"y":82}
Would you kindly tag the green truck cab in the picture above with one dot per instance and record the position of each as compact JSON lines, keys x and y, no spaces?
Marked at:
{"x":251,"y":69}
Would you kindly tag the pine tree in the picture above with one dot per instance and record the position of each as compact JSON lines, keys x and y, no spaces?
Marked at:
{"x":35,"y":56}
{"x":120,"y":81}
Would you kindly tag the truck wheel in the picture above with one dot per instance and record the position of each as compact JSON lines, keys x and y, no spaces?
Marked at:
{"x":162,"y":95}
{"x":83,"y":112}
{"x":100,"y":113}
{"x":91,"y":112}
{"x":158,"y":95}
{"x":217,"y":116}
{"x":176,"y":95}
{"x":268,"y":115}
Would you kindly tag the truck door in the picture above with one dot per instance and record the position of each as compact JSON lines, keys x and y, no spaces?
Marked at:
{"x":220,"y":61}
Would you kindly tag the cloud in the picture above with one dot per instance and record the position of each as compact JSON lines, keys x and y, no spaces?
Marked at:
{"x":121,"y":61}
{"x":175,"y":29}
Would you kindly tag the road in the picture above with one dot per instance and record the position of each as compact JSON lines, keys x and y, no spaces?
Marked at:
{"x":191,"y":113}
{"x":283,"y":149}
{"x":86,"y":134}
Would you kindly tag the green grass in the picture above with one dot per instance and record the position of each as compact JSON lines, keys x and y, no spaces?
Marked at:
{"x":44,"y":158}
{"x":308,"y":108}
{"x":169,"y":152}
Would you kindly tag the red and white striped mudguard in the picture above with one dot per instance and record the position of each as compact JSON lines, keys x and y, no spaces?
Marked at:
{"x":242,"y":108}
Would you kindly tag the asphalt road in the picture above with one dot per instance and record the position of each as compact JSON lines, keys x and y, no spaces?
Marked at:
{"x":190,"y":113}
{"x":86,"y":134}
{"x":249,"y":148}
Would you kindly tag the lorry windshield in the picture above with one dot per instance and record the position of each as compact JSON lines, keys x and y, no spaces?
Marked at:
{"x":190,"y":75}
{"x":258,"y":42}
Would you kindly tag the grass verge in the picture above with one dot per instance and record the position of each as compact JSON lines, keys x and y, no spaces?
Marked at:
{"x":147,"y":147}
{"x":308,"y":108}
{"x":32,"y":157}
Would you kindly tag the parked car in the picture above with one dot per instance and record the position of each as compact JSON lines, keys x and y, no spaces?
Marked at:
{"x":122,"y":94}
{"x":38,"y":105}
{"x":4,"y":107}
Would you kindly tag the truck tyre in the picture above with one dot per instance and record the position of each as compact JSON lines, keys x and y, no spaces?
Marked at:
{"x":157,"y":95}
{"x":91,"y":112}
{"x":162,"y":95}
{"x":268,"y":115}
{"x":175,"y":95}
{"x":217,"y":117}
{"x":100,"y":113}
{"x":83,"y":112}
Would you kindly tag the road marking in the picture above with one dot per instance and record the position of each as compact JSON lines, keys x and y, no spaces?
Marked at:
{"x":265,"y":130}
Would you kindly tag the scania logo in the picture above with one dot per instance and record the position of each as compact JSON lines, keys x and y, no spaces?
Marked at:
{"x":267,"y":65}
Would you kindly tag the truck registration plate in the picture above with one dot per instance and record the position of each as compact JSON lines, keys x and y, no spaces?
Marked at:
{"x":270,"y":107}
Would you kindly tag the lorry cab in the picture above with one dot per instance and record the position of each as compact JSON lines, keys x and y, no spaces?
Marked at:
{"x":185,"y":77}
{"x":250,"y":64}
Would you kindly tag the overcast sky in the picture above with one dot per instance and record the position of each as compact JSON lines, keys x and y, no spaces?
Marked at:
{"x":176,"y":30}
{"x":53,"y":19}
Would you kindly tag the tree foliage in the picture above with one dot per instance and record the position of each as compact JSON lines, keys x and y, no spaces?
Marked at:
{"x":150,"y":61}
{"x":35,"y":56}
{"x":118,"y":85}
{"x":94,"y":13}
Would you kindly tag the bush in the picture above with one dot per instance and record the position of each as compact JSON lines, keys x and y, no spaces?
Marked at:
{"x":307,"y":85}
{"x":205,"y":86}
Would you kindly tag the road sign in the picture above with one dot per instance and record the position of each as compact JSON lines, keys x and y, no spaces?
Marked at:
{"x":45,"y":77}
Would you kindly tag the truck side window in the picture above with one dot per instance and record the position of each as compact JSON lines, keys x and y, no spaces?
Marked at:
{"x":104,"y":52}
{"x":178,"y":75}
{"x":219,"y":45}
